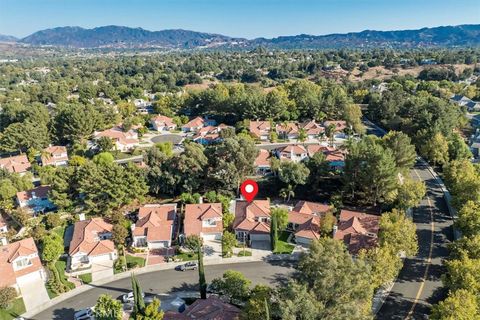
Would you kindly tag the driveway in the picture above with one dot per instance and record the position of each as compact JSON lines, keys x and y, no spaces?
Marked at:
{"x":33,"y":292}
{"x":102,"y":269}
{"x":212,"y":248}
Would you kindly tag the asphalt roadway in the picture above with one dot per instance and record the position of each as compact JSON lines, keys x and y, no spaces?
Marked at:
{"x":419,"y":284}
{"x":169,"y":282}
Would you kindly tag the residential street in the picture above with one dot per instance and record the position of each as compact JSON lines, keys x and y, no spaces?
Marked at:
{"x":169,"y":281}
{"x":419,"y":285}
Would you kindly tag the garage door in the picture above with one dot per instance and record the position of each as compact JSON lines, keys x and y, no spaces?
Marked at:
{"x":102,"y":257}
{"x":212,"y":236}
{"x":158,"y":245}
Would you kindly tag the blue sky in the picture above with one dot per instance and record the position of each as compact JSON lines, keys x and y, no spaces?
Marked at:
{"x":242,"y":18}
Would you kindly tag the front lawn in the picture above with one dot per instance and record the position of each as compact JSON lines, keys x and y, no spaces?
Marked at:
{"x":186,"y":256}
{"x":133,"y":261}
{"x":15,"y":310}
{"x":60,"y":265}
{"x":86,"y":277}
{"x":282,"y":245}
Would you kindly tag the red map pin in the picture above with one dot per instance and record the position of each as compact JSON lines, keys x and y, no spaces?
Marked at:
{"x":249,"y":189}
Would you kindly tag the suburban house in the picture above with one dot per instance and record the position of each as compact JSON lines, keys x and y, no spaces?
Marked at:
{"x":335,"y":157}
{"x":262,"y":162}
{"x":194,"y":125}
{"x":473,"y":106}
{"x":312,"y":129}
{"x":204,"y":220}
{"x":339,"y":126}
{"x":292,"y":152}
{"x":357,"y":230}
{"x":155,"y":226}
{"x":16,"y":164}
{"x":461,"y":100}
{"x":212,"y":308}
{"x":91,"y":243}
{"x":3,"y":231}
{"x":288,"y":131}
{"x":124,"y":141}
{"x":252,"y":221}
{"x":163,"y":123}
{"x":260,"y":129}
{"x":54,"y":156}
{"x":36,"y":199}
{"x":20,"y":265}
{"x":304,"y":221}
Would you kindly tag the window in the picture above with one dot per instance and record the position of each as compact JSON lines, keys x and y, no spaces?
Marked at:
{"x":22,"y":263}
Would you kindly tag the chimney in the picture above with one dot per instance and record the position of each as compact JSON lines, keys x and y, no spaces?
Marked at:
{"x":335,"y":228}
{"x":200,"y":200}
{"x":81,"y":216}
{"x":33,"y":195}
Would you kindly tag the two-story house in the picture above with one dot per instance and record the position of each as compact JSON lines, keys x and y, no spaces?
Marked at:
{"x":20,"y":268}
{"x":194,"y":125}
{"x":124,"y":141}
{"x":91,"y":243}
{"x":287,"y":131}
{"x":260,"y":129}
{"x":357,"y":230}
{"x":54,"y":156}
{"x":204,"y":220}
{"x":252,"y":221}
{"x":312,"y":129}
{"x":262,"y":162}
{"x":36,"y":200}
{"x":292,"y":152}
{"x":304,"y":220}
{"x":16,"y":164}
{"x":162,"y":123}
{"x":155,"y":226}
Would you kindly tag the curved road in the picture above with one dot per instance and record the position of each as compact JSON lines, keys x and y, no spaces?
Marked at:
{"x":169,"y":281}
{"x":419,"y":283}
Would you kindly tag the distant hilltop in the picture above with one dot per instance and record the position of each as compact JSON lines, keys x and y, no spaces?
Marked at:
{"x":126,"y":37}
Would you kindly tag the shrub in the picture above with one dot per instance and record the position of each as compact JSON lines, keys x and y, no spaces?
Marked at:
{"x":7,"y":295}
{"x":245,"y":253}
{"x":52,"y":220}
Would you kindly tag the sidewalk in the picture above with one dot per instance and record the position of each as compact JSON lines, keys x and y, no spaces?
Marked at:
{"x":154,"y":268}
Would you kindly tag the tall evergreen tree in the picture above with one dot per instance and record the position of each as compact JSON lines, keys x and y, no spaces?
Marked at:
{"x":201,"y":274}
{"x":139,"y":303}
{"x":273,"y":232}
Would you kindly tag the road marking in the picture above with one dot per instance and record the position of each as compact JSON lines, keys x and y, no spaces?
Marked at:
{"x":429,"y":260}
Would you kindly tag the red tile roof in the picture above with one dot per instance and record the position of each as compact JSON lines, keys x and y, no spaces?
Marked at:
{"x":287,"y":128}
{"x":40,"y":192}
{"x":196,"y":213}
{"x":9,"y":253}
{"x":156,"y":222}
{"x":340,"y":125}
{"x":263,"y":158}
{"x":194,"y":123}
{"x":117,"y":134}
{"x":307,"y":216}
{"x":211,"y":308}
{"x":259,"y":128}
{"x":312,"y":128}
{"x":163,"y":121}
{"x":247,"y":216}
{"x":16,"y":164}
{"x":54,"y":154}
{"x":358,"y":230}
{"x":86,"y":237}
{"x":311,"y":207}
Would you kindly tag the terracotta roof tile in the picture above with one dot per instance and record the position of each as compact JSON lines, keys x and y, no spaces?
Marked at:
{"x":156,"y":222}
{"x":211,"y":308}
{"x":9,"y":253}
{"x":247,"y":215}
{"x":16,"y":164}
{"x":358,"y":230}
{"x":86,"y":237}
{"x":196,"y":213}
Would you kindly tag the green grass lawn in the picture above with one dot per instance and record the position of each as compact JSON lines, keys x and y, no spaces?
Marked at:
{"x":60,"y":265}
{"x":187,"y":256}
{"x":60,"y":231}
{"x":282,"y":245}
{"x":15,"y":310}
{"x":86,"y":278}
{"x":135,"y":261}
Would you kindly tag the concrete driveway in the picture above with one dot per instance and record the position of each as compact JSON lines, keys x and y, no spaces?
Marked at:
{"x":212,"y":248}
{"x":102,"y":270}
{"x":33,"y":292}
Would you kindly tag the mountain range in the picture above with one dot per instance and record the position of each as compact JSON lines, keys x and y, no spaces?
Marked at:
{"x":126,"y":37}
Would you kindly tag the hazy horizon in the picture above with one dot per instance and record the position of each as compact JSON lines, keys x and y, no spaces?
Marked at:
{"x":246,"y":19}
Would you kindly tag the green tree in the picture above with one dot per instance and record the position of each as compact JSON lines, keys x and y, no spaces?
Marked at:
{"x":463,"y":181}
{"x":273,"y":232}
{"x":193,"y":242}
{"x":107,"y":308}
{"x":398,"y":233}
{"x":403,"y":150}
{"x":463,"y":273}
{"x":119,"y":234}
{"x":293,"y":173}
{"x":52,"y":220}
{"x":24,"y":136}
{"x":52,"y":247}
{"x":139,"y":303}
{"x":281,"y":215}
{"x":151,"y":312}
{"x":201,"y":274}
{"x":228,"y":243}
{"x":302,"y":135}
{"x":469,"y":219}
{"x":166,"y":148}
{"x":460,"y":305}
{"x":103,"y":158}
{"x":458,"y":149}
{"x":340,"y":284}
{"x":105,"y":144}
{"x":257,"y":305}
{"x":435,"y":149}
{"x":410,"y":193}
{"x":296,"y":301}
{"x":7,"y":296}
{"x":233,"y":285}
{"x":228,"y":219}
{"x":384,"y":262}
{"x":466,"y":246}
{"x":326,"y":224}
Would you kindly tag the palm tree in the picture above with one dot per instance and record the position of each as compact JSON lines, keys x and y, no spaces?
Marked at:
{"x":287,"y":193}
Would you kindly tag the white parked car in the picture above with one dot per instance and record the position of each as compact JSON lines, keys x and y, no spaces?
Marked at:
{"x":84,"y":314}
{"x":128,"y":297}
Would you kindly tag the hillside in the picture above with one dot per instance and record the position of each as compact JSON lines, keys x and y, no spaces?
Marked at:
{"x":6,"y":38}
{"x":125,"y":37}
